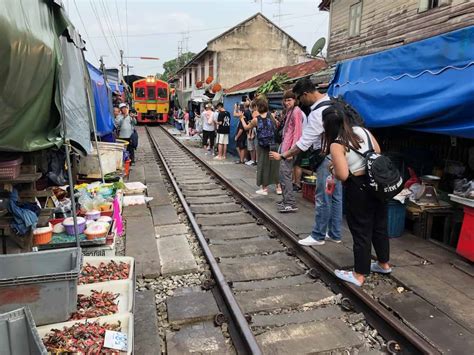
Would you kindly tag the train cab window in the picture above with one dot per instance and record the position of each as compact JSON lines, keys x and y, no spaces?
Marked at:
{"x":140,"y":92}
{"x":151,"y":93}
{"x":162,"y":93}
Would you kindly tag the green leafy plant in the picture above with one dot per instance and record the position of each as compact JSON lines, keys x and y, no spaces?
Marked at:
{"x":275,"y":84}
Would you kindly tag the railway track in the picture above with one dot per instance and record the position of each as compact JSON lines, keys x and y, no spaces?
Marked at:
{"x":276,"y":296}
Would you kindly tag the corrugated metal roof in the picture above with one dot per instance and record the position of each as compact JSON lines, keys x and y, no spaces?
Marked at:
{"x":293,"y":72}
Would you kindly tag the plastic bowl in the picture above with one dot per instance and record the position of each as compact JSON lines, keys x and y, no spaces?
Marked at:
{"x":92,"y":215}
{"x":42,"y":235}
{"x":69,"y":225}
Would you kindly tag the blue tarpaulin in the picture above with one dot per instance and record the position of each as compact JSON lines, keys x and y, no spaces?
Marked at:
{"x":426,"y":85}
{"x":102,"y":101}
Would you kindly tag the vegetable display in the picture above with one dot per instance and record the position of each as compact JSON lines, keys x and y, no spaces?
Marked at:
{"x":104,"y":272}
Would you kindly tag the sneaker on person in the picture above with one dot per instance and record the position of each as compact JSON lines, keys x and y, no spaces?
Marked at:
{"x":249,"y":162}
{"x":238,"y":162}
{"x":309,"y":241}
{"x":327,"y":237}
{"x":254,"y":163}
{"x":287,"y":209}
{"x":280,"y":203}
{"x":262,"y":192}
{"x":278,"y":191}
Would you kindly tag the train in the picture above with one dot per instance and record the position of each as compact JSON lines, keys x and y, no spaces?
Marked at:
{"x":151,"y":99}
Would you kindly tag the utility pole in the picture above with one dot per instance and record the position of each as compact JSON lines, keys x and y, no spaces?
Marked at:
{"x":121,"y":64}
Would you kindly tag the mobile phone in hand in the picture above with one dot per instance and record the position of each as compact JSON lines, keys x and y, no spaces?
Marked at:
{"x":274,"y":147}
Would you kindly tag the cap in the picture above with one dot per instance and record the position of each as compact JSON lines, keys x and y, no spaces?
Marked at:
{"x":123,"y":105}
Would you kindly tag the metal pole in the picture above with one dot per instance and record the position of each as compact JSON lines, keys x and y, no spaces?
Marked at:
{"x":71,"y":189}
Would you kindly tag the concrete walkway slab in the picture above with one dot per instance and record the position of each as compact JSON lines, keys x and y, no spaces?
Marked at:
{"x":234,"y":232}
{"x":147,"y":338}
{"x":246,"y":247}
{"x":191,"y":308}
{"x":159,"y":193}
{"x":275,"y":283}
{"x":216,"y":208}
{"x":170,"y":229}
{"x":165,"y":214}
{"x":313,"y":315}
{"x":137,"y":173}
{"x":200,"y":338}
{"x":136,"y":211}
{"x":141,"y":244}
{"x":225,"y":219}
{"x":152,"y":173}
{"x":175,"y":256}
{"x":259,"y":267}
{"x":310,"y":338}
{"x":209,"y":200}
{"x":283,"y":297}
{"x":442,"y":331}
{"x":204,"y":193}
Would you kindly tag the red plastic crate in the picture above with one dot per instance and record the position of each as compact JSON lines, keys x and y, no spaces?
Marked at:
{"x":466,"y":238}
{"x":309,"y":191}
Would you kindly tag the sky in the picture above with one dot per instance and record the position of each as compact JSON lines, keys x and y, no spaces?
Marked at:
{"x":156,"y":28}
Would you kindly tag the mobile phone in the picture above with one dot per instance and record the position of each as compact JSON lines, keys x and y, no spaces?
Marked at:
{"x":241,"y":107}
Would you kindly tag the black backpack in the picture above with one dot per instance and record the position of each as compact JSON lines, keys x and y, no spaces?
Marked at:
{"x":354,"y":118}
{"x":383,"y":178}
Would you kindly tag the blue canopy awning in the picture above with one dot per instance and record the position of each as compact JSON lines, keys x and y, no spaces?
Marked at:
{"x":426,"y":85}
{"x":102,"y":101}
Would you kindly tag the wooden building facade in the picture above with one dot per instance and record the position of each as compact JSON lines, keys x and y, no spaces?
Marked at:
{"x":360,"y":27}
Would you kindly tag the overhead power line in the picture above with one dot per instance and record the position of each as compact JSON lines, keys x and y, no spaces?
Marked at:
{"x":85,"y":31}
{"x":172,"y":33}
{"x":112,"y":52}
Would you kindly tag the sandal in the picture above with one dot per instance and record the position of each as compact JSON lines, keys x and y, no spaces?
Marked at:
{"x":347,"y":276}
{"x":375,"y":267}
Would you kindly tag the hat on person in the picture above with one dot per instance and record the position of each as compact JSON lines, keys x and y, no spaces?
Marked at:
{"x":123,"y":105}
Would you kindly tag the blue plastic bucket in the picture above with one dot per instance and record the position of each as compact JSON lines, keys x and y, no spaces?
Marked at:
{"x":396,"y":219}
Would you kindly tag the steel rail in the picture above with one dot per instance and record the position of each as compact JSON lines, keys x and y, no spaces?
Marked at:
{"x":243,"y":328}
{"x":378,"y":313}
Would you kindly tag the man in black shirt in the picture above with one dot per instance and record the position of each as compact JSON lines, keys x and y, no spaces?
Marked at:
{"x":223,"y":130}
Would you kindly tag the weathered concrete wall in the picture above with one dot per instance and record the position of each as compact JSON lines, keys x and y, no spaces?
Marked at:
{"x":392,"y":23}
{"x":251,"y":49}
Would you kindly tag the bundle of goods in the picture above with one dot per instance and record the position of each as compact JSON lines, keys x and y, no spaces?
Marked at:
{"x":99,"y":303}
{"x":81,"y":338}
{"x":104,"y":272}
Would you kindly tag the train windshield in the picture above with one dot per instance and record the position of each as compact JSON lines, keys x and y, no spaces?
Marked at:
{"x":140,"y":93}
{"x":151,"y":93}
{"x":162,"y":93}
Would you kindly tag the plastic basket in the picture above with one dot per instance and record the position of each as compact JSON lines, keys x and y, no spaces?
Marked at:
{"x":96,"y":260}
{"x":465,"y":245}
{"x":44,"y":281}
{"x":18,"y":334}
{"x":309,"y":191}
{"x":10,"y":169}
{"x":126,"y":323}
{"x":396,"y":219}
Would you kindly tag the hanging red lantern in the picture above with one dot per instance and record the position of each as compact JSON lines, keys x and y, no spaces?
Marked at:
{"x":216,"y":88}
{"x":199,"y":84}
{"x":209,"y":79}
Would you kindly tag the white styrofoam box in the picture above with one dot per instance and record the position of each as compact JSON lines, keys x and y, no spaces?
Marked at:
{"x":462,"y":200}
{"x":123,"y":287}
{"x":126,"y":322}
{"x":96,"y":260}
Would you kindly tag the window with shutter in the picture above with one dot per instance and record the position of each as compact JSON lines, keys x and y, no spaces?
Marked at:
{"x":425,"y":5}
{"x":355,"y":19}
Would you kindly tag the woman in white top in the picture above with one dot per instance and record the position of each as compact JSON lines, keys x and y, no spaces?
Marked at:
{"x":208,"y":129}
{"x":366,"y":215}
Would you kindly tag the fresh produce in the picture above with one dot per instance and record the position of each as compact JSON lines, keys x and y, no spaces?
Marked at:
{"x":81,"y":338}
{"x":97,"y":304}
{"x":104,"y":272}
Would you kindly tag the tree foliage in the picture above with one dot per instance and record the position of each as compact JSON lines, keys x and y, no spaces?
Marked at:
{"x":171,"y":66}
{"x":275,"y":84}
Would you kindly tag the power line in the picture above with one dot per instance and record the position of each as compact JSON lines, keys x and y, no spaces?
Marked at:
{"x":94,"y":10}
{"x":109,"y":24}
{"x":173,"y":33}
{"x":120,"y":25}
{"x":126,"y":23}
{"x":85,"y":30}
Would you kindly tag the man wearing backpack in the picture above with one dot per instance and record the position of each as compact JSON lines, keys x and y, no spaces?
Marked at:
{"x":223,"y":130}
{"x":328,"y":207}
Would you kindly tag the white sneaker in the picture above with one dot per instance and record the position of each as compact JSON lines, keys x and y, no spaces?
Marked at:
{"x":327,"y":237}
{"x":309,"y":240}
{"x":249,"y":162}
{"x":262,"y":192}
